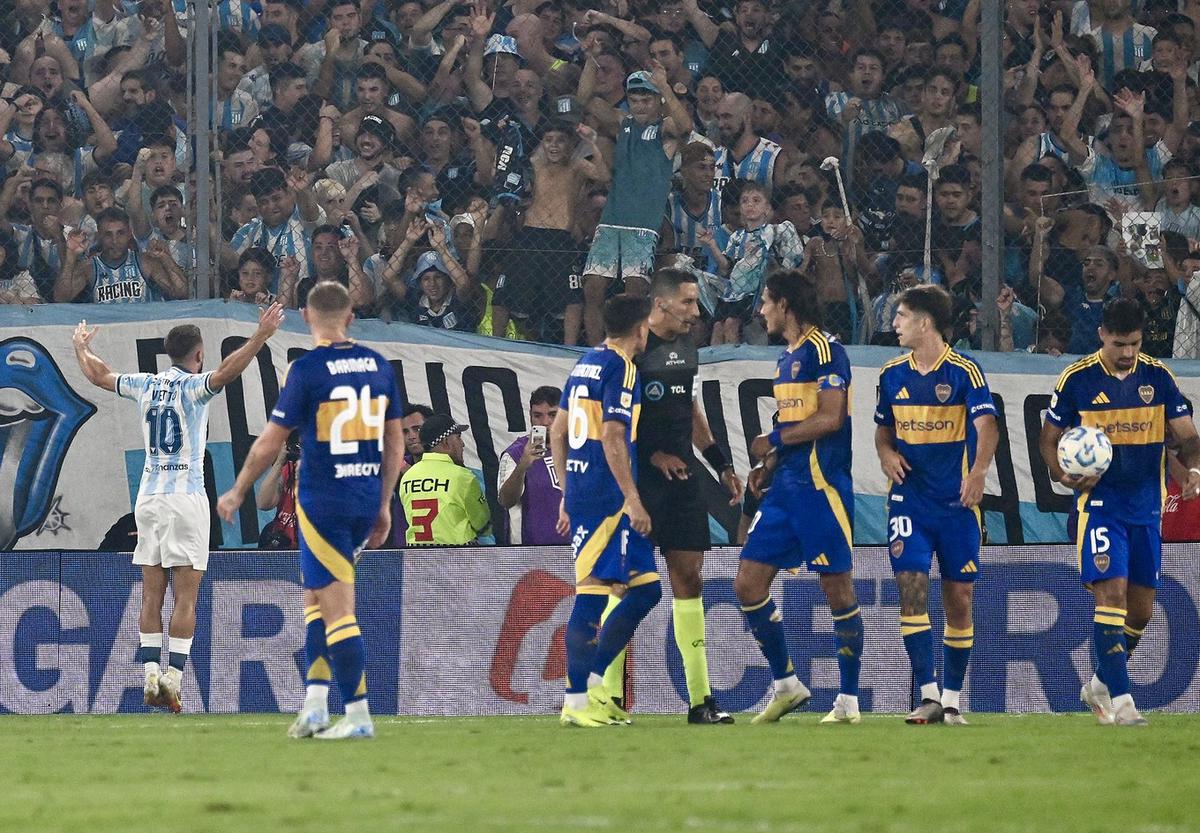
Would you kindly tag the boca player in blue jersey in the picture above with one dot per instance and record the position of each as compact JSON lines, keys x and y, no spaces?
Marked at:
{"x":1134,"y":399}
{"x":594,"y":440}
{"x":172,"y":511}
{"x":343,"y":399}
{"x":935,"y":435}
{"x":806,"y":517}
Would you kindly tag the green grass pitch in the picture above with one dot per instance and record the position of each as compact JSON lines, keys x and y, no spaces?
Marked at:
{"x":241,"y":774}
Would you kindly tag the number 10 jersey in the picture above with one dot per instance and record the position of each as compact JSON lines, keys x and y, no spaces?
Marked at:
{"x":174,"y":407}
{"x":339,"y":396}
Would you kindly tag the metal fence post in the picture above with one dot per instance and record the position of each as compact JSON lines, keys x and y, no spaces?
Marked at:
{"x":991,"y":92}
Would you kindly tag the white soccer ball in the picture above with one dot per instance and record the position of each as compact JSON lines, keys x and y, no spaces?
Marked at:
{"x":1085,"y":451}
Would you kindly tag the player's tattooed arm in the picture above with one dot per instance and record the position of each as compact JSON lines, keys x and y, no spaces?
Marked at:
{"x":1184,"y":432}
{"x":914,"y":593}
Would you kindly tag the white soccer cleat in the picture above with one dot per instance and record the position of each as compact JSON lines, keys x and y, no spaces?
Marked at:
{"x":783,"y":703}
{"x":347,"y":729}
{"x":953,"y":717}
{"x":842,"y":712}
{"x":1128,"y":715}
{"x":150,"y":695}
{"x":1096,"y":698}
{"x":309,"y":722}
{"x":168,"y":691}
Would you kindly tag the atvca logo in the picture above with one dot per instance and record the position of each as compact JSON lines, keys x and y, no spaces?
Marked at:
{"x":39,"y":415}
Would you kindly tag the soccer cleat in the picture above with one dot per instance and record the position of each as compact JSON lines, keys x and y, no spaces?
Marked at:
{"x":708,"y":712}
{"x":1099,"y":702}
{"x":309,"y":722}
{"x":1128,"y":715}
{"x":599,"y":701}
{"x":589,"y":718}
{"x":150,"y":693}
{"x":930,"y":711}
{"x":841,"y":714}
{"x":168,"y":693}
{"x":783,"y":703}
{"x":953,"y":717}
{"x":347,"y":729}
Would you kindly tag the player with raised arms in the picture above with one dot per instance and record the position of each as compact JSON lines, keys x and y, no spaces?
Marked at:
{"x":343,"y":399}
{"x":594,"y":441}
{"x":806,"y":517}
{"x":171,"y":510}
{"x":935,"y":435}
{"x":1134,"y":399}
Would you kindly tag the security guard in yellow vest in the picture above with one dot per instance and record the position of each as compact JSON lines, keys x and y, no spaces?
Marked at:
{"x":443,"y":502}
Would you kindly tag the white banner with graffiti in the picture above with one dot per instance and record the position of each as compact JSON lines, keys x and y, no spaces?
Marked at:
{"x":71,"y":454}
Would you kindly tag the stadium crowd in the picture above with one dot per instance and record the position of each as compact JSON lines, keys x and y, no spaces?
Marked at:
{"x":449,"y":162}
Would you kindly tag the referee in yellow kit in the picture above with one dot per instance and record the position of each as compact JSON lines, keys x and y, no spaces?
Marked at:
{"x":443,"y":502}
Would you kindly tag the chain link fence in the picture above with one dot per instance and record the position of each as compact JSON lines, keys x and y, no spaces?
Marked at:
{"x":493,"y":168}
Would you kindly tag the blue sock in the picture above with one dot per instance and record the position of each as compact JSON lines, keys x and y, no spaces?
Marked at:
{"x":918,"y":642}
{"x":149,"y":648}
{"x":1132,"y":637}
{"x":619,"y":626}
{"x":348,"y":656}
{"x":316,"y":654}
{"x":583,"y":632}
{"x":180,"y":648}
{"x":848,"y":631}
{"x":766,"y":624}
{"x":956,"y":651}
{"x":1109,"y":634}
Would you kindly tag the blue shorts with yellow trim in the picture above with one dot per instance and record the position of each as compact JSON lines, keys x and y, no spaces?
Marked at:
{"x":800,"y":524}
{"x":916,"y":531}
{"x":329,"y":546}
{"x":607,"y":548}
{"x":1109,"y":548}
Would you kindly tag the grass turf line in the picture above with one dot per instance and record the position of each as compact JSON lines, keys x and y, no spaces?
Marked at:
{"x":200,"y":773}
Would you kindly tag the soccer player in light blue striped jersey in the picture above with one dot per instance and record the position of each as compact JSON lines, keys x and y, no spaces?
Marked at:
{"x":172,"y":510}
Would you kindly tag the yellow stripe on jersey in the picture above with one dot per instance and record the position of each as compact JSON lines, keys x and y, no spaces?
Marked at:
{"x":1153,"y":362}
{"x":590,"y":552}
{"x":337,"y":564}
{"x":973,"y":373}
{"x":894,"y":362}
{"x":352,"y":427}
{"x":1128,"y":426}
{"x":1072,"y":369}
{"x":593,"y":416}
{"x":796,"y":400}
{"x":819,"y":341}
{"x":633,"y":426}
{"x":831,"y":495}
{"x":926,"y":424}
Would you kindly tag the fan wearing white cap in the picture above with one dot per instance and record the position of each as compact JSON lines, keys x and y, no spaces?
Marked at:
{"x":625,"y":242}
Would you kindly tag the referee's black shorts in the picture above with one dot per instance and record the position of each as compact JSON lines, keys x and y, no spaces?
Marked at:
{"x":678,"y":516}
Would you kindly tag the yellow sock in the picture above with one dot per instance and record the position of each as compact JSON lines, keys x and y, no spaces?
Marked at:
{"x":614,"y":676}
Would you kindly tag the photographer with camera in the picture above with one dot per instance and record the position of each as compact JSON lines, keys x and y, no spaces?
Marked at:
{"x":278,"y":491}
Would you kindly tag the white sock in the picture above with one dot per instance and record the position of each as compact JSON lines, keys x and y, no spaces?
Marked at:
{"x":316,"y":694}
{"x":1098,"y":685}
{"x":787,"y":685}
{"x":151,"y":640}
{"x":179,"y":645}
{"x":929,"y":691}
{"x":1123,"y":700}
{"x":849,"y":703}
{"x":358,"y":712}
{"x":577,"y":701}
{"x":595,"y":680}
{"x":151,"y":668}
{"x":950,"y":699}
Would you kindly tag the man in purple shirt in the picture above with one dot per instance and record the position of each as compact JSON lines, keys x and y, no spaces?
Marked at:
{"x":527,"y":485}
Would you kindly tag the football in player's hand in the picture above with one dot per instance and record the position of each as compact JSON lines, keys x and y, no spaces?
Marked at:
{"x":1085,"y":451}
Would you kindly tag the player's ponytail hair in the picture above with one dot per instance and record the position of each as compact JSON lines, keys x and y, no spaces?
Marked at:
{"x":797,"y":291}
{"x":933,"y":301}
{"x":181,"y":341}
